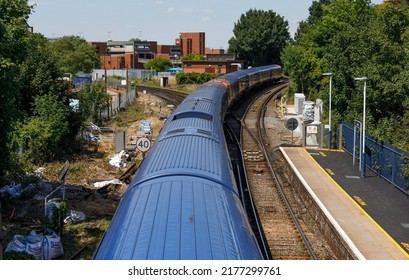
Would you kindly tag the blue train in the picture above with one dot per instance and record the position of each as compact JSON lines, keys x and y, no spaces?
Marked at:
{"x":183,"y":203}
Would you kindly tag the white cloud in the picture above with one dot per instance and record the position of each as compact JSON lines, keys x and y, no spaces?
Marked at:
{"x":171,"y":10}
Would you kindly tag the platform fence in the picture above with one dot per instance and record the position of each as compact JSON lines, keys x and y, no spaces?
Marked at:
{"x":385,"y":160}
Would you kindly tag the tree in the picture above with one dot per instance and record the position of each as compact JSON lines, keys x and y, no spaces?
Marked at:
{"x":353,"y":38}
{"x":13,"y":49}
{"x":259,"y":37}
{"x":43,"y":134}
{"x":74,"y":54}
{"x":159,"y":64}
{"x":93,"y":100}
{"x":39,"y":73}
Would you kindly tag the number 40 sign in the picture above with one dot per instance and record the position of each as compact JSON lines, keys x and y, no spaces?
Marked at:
{"x":143,"y":144}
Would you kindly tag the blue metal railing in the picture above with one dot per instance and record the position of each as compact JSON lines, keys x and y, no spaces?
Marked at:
{"x":387,"y":161}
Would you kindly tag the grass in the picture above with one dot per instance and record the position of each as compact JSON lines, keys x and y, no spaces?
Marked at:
{"x":81,"y":240}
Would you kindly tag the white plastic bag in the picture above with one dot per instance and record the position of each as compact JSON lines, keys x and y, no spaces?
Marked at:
{"x":52,"y":246}
{"x":34,"y":245}
{"x":74,"y":217}
{"x":42,"y":247}
{"x":17,"y":244}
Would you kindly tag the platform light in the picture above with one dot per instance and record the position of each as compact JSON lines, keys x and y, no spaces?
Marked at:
{"x":363,"y":127}
{"x":329,"y":113}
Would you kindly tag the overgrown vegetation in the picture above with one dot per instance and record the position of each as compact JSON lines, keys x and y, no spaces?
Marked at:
{"x":354,"y":39}
{"x":36,"y":123}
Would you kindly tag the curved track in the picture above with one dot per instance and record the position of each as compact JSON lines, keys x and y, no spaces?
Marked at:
{"x":285,"y":236}
{"x":171,"y":96}
{"x":280,"y":221}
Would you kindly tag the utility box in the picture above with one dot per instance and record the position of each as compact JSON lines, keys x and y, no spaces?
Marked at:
{"x":164,"y":81}
{"x":313,"y":136}
{"x":299,"y":99}
{"x":119,"y":141}
{"x":308,"y":111}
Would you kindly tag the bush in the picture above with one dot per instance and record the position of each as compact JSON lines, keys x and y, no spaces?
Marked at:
{"x":193,"y":78}
{"x":42,"y":135}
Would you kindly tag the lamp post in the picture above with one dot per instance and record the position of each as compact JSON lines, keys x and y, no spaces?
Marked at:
{"x":363,"y":127}
{"x":329,"y":112}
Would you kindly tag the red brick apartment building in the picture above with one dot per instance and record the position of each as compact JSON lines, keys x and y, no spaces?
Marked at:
{"x":192,"y":42}
{"x":130,"y":54}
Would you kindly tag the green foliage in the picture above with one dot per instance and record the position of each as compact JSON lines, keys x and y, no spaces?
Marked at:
{"x":405,"y":166}
{"x":193,"y":56}
{"x":42,"y":135}
{"x":38,"y":73}
{"x":352,"y":39}
{"x":13,"y":49}
{"x":159,"y":64}
{"x":259,"y":37}
{"x":56,"y":221}
{"x":93,"y":100}
{"x":193,"y":78}
{"x":74,"y":54}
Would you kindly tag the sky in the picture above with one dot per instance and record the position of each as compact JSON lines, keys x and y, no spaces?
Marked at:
{"x":155,"y":20}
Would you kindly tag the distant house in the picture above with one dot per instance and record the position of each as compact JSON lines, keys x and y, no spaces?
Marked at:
{"x":214,"y":63}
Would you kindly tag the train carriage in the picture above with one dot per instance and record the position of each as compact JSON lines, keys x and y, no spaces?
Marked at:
{"x":183,"y":202}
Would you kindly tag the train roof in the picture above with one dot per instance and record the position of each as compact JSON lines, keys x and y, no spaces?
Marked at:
{"x":183,"y":202}
{"x":234,"y":76}
{"x":185,"y":218}
{"x":190,"y":142}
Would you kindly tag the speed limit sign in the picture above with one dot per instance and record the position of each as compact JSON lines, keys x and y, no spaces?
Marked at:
{"x":143,"y":144}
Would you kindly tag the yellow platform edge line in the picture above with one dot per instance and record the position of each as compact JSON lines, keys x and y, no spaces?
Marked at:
{"x":325,"y":150}
{"x":359,"y":206}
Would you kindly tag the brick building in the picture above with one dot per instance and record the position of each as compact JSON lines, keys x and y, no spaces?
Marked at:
{"x":214,"y":63}
{"x":131,"y":54}
{"x":192,"y":42}
{"x":213,"y":51}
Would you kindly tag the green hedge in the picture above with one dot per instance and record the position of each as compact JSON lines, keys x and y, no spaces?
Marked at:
{"x":193,"y":78}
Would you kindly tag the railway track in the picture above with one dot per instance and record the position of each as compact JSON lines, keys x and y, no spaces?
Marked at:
{"x":171,"y":96}
{"x":285,"y":237}
{"x":262,"y":199}
{"x":279,"y":220}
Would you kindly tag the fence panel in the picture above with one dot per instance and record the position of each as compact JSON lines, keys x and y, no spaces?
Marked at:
{"x":118,"y":101}
{"x":387,"y":161}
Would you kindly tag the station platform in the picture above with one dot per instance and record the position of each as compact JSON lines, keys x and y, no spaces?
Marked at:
{"x":370,"y":214}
